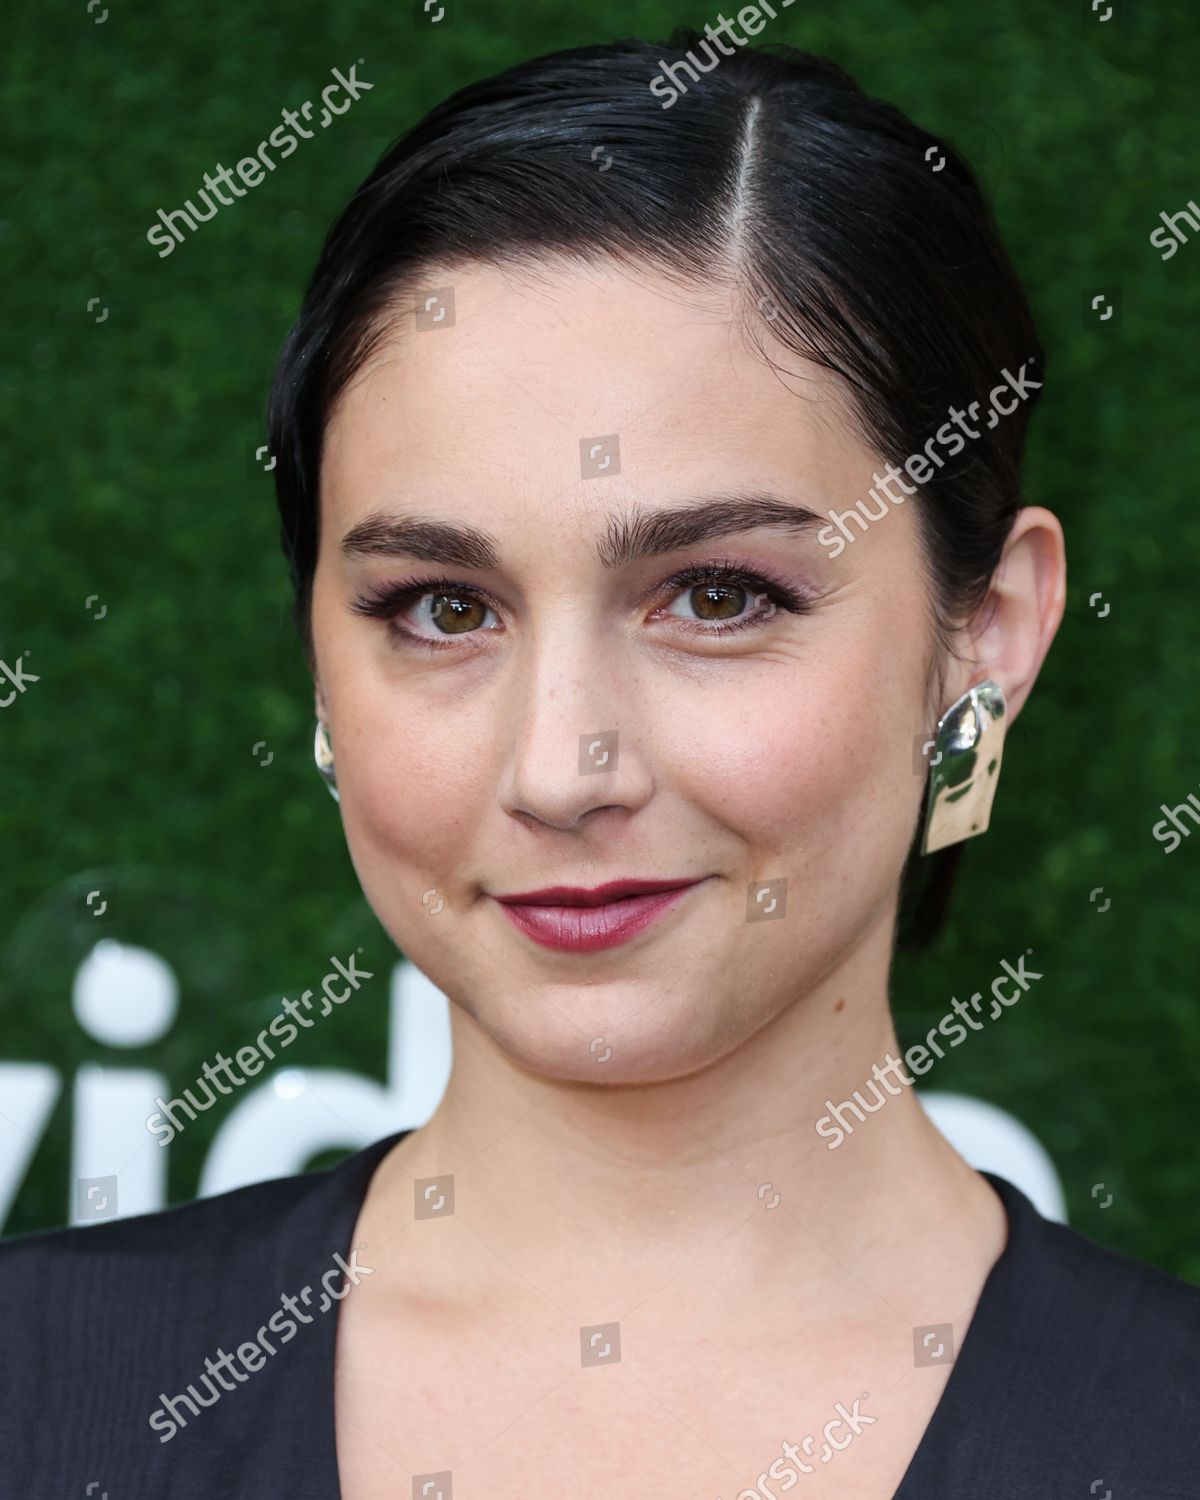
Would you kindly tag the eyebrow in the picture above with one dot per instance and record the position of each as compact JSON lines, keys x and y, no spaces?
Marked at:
{"x":630,"y":536}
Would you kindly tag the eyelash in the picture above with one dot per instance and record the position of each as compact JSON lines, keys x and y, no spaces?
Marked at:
{"x":387,"y":602}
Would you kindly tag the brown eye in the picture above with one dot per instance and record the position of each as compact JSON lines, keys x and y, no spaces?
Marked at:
{"x":452,"y":614}
{"x":719,"y":598}
{"x":718,"y":601}
{"x":428,"y":610}
{"x":714,"y":603}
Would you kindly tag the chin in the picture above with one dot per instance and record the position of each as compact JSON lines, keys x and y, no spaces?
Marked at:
{"x":586,"y":1034}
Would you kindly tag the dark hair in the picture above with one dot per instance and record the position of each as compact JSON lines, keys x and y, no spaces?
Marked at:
{"x":772,"y":172}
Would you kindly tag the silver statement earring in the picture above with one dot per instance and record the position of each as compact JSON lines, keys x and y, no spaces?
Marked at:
{"x":323,"y":755}
{"x":965,"y":767}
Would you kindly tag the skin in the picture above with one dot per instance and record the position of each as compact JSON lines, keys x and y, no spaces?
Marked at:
{"x":585,"y":1192}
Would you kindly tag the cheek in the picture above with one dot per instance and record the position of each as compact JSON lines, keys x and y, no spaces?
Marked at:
{"x":414,"y":786}
{"x":810,"y":767}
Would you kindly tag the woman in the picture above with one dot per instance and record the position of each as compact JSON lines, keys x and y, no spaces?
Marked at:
{"x":650,"y":705}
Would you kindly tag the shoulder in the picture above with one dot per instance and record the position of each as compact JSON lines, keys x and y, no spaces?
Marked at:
{"x":108,"y":1325}
{"x":232,"y":1246}
{"x":1099,"y":1356}
{"x":193,"y":1234}
{"x":1115,"y":1305}
{"x":71,"y":1298}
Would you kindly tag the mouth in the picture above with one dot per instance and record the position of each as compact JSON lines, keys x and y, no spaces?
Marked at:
{"x":581,"y":920}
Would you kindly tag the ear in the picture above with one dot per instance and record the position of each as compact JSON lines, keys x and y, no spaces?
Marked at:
{"x":319,"y":702}
{"x":1020,"y":616}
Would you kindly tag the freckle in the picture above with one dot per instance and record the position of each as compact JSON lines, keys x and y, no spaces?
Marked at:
{"x":840,"y":1005}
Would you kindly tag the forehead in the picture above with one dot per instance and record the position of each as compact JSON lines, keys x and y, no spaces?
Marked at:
{"x":528,"y":370}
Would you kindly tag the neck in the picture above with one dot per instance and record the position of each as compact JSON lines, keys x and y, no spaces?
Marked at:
{"x":609,"y":1190}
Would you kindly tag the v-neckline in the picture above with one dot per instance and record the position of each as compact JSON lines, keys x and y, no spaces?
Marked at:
{"x":969,"y":1395}
{"x":966,"y":1397}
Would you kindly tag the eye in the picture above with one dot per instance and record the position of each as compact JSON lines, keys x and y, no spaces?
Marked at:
{"x":429,"y":608}
{"x":726,"y":597}
{"x":456,"y":613}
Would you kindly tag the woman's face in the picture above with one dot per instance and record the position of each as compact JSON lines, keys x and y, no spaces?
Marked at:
{"x":557,"y":439}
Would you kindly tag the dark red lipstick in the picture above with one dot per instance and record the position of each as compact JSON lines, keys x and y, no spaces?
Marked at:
{"x":583,"y":920}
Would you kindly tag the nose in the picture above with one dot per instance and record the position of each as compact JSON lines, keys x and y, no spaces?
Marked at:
{"x":575,"y":729}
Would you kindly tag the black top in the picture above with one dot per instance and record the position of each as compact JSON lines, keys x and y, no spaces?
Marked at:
{"x":1079,"y":1376}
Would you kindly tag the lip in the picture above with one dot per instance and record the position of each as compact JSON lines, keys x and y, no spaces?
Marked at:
{"x":597,"y":895}
{"x":578,"y":920}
